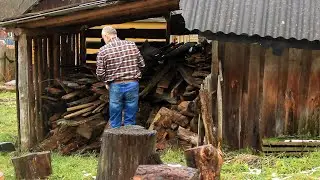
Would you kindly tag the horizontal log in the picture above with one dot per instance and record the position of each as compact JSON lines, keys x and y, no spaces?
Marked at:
{"x":71,"y":95}
{"x":187,"y":135}
{"x":82,"y":106}
{"x":186,"y":74}
{"x":83,"y":100}
{"x":165,"y":172}
{"x":82,"y":111}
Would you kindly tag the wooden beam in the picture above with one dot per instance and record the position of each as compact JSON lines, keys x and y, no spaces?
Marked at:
{"x":23,"y":67}
{"x":140,"y":8}
{"x":56,"y":56}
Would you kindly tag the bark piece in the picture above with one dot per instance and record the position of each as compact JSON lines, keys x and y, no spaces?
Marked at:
{"x":123,"y":149}
{"x":187,"y":135}
{"x":33,"y":165}
{"x":207,"y":159}
{"x":145,"y":172}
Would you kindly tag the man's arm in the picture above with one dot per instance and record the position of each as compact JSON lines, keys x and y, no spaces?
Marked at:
{"x":100,"y":71}
{"x":140,"y":59}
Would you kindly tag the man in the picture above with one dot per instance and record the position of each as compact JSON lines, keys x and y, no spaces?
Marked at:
{"x":119,"y":65}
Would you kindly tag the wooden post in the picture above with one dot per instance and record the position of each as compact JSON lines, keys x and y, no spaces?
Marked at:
{"x":145,"y":172}
{"x":32,"y":113}
{"x":35,"y":79}
{"x":51,"y":58}
{"x":207,"y":159}
{"x":23,"y":68}
{"x":206,"y":116}
{"x":220,"y":106}
{"x":39,"y":122}
{"x":82,"y":47}
{"x":56,"y":56}
{"x":33,"y":166}
{"x":123,"y":150}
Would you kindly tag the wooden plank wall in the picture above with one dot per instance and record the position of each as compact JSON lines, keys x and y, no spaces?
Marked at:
{"x":267,"y":95}
{"x":49,"y":58}
{"x":138,"y":32}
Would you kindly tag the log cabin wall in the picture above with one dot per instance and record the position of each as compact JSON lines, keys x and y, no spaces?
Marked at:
{"x":267,"y":95}
{"x":48,"y":58}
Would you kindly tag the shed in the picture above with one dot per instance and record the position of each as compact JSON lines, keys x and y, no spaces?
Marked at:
{"x":269,"y":51}
{"x":50,"y":42}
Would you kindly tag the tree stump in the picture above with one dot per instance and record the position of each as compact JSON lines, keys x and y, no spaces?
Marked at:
{"x":162,"y":172}
{"x":33,"y":165}
{"x":207,"y":159}
{"x":123,"y":150}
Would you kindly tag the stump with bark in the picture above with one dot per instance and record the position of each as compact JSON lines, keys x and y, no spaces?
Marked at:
{"x":33,"y":165}
{"x":207,"y":159}
{"x":151,"y":172}
{"x":123,"y":150}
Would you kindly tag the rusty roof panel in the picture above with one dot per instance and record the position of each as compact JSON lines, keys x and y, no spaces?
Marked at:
{"x":298,"y":19}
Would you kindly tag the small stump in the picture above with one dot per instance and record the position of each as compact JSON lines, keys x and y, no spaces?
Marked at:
{"x":33,"y":165}
{"x":145,"y":172}
{"x":207,"y":159}
{"x":123,"y":150}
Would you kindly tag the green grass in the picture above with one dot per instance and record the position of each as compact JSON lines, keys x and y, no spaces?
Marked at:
{"x":237,"y":164}
{"x":8,"y":117}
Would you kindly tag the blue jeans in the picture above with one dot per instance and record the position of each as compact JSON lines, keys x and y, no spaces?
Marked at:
{"x":123,"y":97}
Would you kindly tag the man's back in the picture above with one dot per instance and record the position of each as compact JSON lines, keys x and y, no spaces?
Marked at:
{"x":119,"y":60}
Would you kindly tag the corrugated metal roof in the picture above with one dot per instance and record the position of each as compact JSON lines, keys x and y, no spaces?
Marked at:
{"x":299,"y":19}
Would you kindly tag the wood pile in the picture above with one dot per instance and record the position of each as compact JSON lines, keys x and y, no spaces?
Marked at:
{"x":74,"y":110}
{"x":170,"y":88}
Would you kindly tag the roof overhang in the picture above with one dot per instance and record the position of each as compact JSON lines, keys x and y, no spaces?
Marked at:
{"x":95,"y":13}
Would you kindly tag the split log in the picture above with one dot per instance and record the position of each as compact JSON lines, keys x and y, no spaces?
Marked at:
{"x":207,"y":116}
{"x":82,"y":106}
{"x":77,"y":113}
{"x":99,"y":108}
{"x":54,"y":91}
{"x":207,"y":159}
{"x":165,"y":117}
{"x":145,"y":172}
{"x":200,"y":74}
{"x":79,"y":121}
{"x":1,"y":176}
{"x":49,"y":98}
{"x":83,"y":100}
{"x":174,"y":126}
{"x":186,"y":74}
{"x":154,"y":81}
{"x":159,"y":90}
{"x":166,"y":80}
{"x":187,"y":135}
{"x":122,"y":150}
{"x":88,"y":129}
{"x":71,"y":95}
{"x":175,"y":90}
{"x":33,"y":165}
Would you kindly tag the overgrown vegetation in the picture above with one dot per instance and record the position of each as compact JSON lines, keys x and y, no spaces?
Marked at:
{"x":237,"y":165}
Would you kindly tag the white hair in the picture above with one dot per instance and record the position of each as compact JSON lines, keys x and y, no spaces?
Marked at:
{"x":108,"y":30}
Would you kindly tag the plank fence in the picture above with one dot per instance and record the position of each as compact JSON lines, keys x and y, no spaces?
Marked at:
{"x":7,"y":65}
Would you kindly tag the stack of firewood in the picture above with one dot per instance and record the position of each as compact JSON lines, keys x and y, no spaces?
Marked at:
{"x":74,"y":110}
{"x":173,"y":92}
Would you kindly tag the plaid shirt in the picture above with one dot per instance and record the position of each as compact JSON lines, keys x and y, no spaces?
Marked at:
{"x":119,"y":60}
